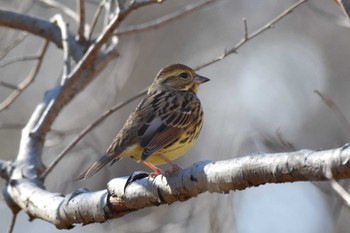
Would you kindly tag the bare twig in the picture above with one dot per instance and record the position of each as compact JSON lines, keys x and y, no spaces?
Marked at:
{"x":95,"y":17}
{"x":13,"y":222}
{"x":248,"y":37}
{"x":284,"y":142}
{"x":335,"y":109}
{"x":81,"y":27}
{"x":245,"y":28}
{"x":338,"y":189}
{"x":66,"y":10}
{"x":27,"y":81}
{"x":88,"y":129}
{"x":165,"y":19}
{"x":17,"y":59}
{"x":42,"y":28}
{"x":8,"y":85}
{"x":18,"y":40}
{"x":111,"y":9}
{"x":66,"y":54}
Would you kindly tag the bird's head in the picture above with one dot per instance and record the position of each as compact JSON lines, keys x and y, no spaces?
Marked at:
{"x":177,"y":77}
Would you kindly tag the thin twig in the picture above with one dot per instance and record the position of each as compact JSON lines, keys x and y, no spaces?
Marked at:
{"x":13,"y":222}
{"x":81,"y":28}
{"x":8,"y":85}
{"x":66,"y":54}
{"x":245,"y":28}
{"x":27,"y":81}
{"x":163,"y":20}
{"x":247,"y":38}
{"x":284,"y":142}
{"x":95,"y":18}
{"x":42,"y":28}
{"x":66,"y":10}
{"x":110,"y":10}
{"x":88,"y":129}
{"x":339,"y":190}
{"x":17,"y":59}
{"x":18,"y":40}
{"x":336,"y":110}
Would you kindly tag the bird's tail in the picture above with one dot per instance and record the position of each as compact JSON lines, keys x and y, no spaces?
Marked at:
{"x":90,"y":171}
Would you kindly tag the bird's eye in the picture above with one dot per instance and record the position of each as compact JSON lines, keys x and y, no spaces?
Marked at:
{"x":184,"y":75}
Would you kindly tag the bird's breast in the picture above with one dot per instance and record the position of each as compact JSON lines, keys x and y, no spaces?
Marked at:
{"x":180,"y":146}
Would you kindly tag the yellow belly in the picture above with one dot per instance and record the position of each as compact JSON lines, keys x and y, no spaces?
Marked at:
{"x":172,"y":152}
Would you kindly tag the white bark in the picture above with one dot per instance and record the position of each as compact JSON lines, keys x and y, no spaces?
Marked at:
{"x":85,"y":207}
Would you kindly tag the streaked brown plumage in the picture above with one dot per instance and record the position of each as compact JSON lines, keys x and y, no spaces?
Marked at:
{"x":164,"y":125}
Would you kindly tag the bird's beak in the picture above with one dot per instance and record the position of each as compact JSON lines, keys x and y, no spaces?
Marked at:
{"x":200,"y":79}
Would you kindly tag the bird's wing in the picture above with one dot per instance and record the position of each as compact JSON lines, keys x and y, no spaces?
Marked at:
{"x":168,"y":122}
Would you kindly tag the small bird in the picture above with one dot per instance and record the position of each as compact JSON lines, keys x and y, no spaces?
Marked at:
{"x":165,"y":124}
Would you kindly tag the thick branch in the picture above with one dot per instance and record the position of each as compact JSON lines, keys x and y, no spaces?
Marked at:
{"x":40,"y":27}
{"x":86,"y":207}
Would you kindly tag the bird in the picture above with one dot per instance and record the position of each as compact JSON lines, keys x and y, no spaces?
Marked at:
{"x":164,"y":125}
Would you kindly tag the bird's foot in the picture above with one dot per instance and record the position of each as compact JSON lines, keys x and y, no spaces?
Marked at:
{"x":156,"y":171}
{"x":174,"y":166}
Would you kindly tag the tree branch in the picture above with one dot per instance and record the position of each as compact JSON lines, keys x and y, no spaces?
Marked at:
{"x":336,"y":110}
{"x":17,"y":59}
{"x":66,"y":10}
{"x":248,"y":37}
{"x":27,"y":81}
{"x":40,"y":27}
{"x":58,"y":20}
{"x":13,"y":44}
{"x":81,"y":27}
{"x":119,"y":199}
{"x":95,"y":18}
{"x":338,"y":189}
{"x":163,"y":20}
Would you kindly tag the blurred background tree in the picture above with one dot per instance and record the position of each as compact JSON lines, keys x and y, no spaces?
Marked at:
{"x":257,"y":96}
